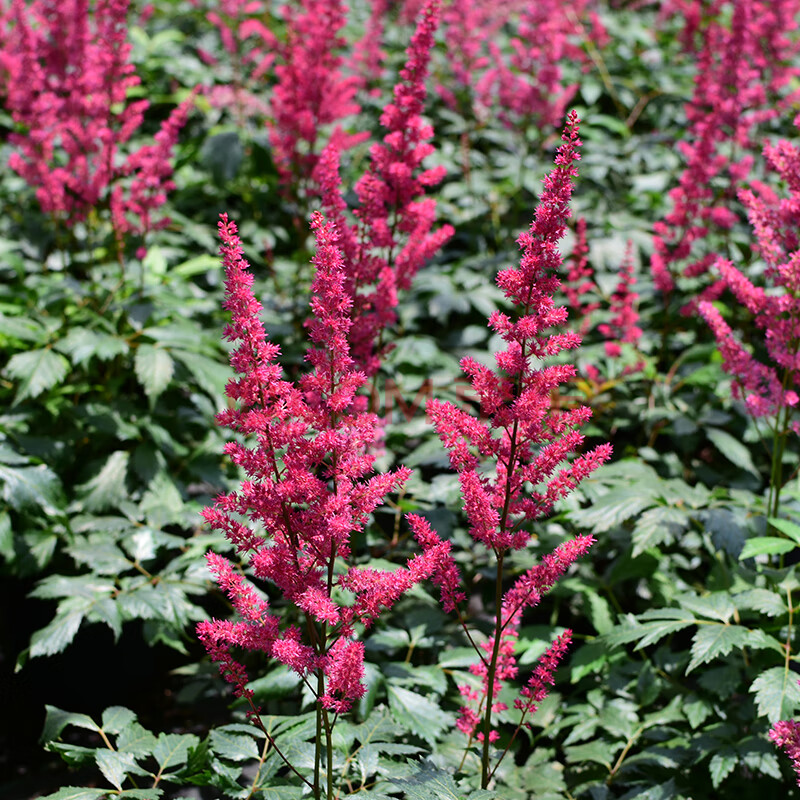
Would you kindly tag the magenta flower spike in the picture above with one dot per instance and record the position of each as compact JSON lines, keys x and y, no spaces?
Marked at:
{"x":510,"y":461}
{"x":394,"y":234}
{"x":309,"y":488}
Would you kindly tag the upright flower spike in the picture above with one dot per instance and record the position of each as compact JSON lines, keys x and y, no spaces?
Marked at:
{"x":311,"y":91}
{"x":743,"y":68}
{"x":768,"y":380}
{"x":393,"y":235}
{"x":786,"y":735}
{"x":68,"y":76}
{"x":309,"y":487}
{"x":510,"y":462}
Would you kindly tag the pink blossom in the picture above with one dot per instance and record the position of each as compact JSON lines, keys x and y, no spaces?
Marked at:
{"x":742,"y":69}
{"x":394,"y":232}
{"x":309,"y":486}
{"x":511,"y":464}
{"x":786,"y":735}
{"x":311,"y":91}
{"x":68,"y":76}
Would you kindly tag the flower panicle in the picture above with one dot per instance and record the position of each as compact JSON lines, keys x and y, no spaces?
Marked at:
{"x":393,"y":234}
{"x":309,"y":488}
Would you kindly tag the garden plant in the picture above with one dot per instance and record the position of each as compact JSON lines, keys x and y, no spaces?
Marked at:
{"x":400,"y":400}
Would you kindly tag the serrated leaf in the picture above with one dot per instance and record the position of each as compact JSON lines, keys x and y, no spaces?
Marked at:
{"x":115,"y":718}
{"x":281,"y":793}
{"x":81,"y":344}
{"x":429,"y":784}
{"x":656,"y":526}
{"x":211,"y":376}
{"x":25,"y":487}
{"x":173,"y":749}
{"x":36,"y":371}
{"x":721,"y":765}
{"x":141,"y":794}
{"x":162,"y":503}
{"x":714,"y":640}
{"x":788,"y":528}
{"x":107,"y":488}
{"x":235,"y":746}
{"x":101,"y":556}
{"x":717,"y":605}
{"x":22,"y":328}
{"x":419,"y":714}
{"x":136,"y":739}
{"x":651,"y":626}
{"x":765,"y":545}
{"x":56,"y":719}
{"x":732,"y":449}
{"x":764,"y":601}
{"x":55,"y":636}
{"x":6,"y":538}
{"x":154,"y":368}
{"x":612,"y":509}
{"x":76,"y":793}
{"x":115,"y":766}
{"x":777,"y":693}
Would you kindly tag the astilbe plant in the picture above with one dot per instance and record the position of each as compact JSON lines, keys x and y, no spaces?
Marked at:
{"x":510,"y":461}
{"x":742,"y":70}
{"x":312,"y":90}
{"x":309,"y":488}
{"x":527,"y":84}
{"x":770,"y":386}
{"x":67,"y":74}
{"x":393,"y":235}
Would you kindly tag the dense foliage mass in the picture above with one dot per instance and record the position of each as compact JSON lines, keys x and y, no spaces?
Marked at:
{"x":429,"y":371}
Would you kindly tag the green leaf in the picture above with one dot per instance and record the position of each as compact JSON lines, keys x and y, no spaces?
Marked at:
{"x":54,"y":637}
{"x":107,"y":488}
{"x":22,"y":328}
{"x":777,"y":693}
{"x":196,"y":266}
{"x":173,"y":749}
{"x":715,"y":640}
{"x":154,"y":368}
{"x":101,"y":556}
{"x":612,"y":509}
{"x":429,"y":783}
{"x":116,"y":718}
{"x":136,"y":739}
{"x":721,"y":765}
{"x":26,"y":487}
{"x":235,"y":746}
{"x":784,"y":526}
{"x":77,"y":793}
{"x":57,"y":719}
{"x":651,"y":626}
{"x":419,"y":714}
{"x":281,"y":793}
{"x":765,"y":545}
{"x":656,"y":526}
{"x":730,"y":447}
{"x":6,"y":538}
{"x":36,"y":371}
{"x":115,"y":766}
{"x":81,"y":344}
{"x":764,"y":601}
{"x":211,"y":376}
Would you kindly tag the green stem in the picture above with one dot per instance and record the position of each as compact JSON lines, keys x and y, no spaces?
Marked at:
{"x":486,"y":773}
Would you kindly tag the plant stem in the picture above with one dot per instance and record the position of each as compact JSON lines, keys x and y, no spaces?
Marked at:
{"x":490,"y":678}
